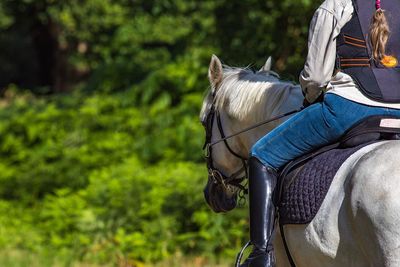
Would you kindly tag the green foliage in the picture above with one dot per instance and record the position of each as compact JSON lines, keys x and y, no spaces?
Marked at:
{"x":116,"y":44}
{"x":108,"y":180}
{"x":56,"y":144}
{"x":5,"y":19}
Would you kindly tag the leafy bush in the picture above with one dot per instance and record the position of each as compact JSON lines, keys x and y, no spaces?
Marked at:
{"x":108,"y":180}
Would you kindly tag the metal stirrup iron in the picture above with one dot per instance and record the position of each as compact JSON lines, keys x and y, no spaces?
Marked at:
{"x":240,"y":254}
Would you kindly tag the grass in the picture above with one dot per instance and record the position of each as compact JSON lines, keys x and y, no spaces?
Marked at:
{"x":191,"y":262}
{"x":21,"y":258}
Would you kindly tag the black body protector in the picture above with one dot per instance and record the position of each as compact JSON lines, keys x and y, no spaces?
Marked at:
{"x":354,"y":52}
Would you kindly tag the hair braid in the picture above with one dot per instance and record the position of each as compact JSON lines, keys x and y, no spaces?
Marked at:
{"x":379,"y":32}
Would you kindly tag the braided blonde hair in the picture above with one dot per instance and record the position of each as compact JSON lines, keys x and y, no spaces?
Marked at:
{"x":379,"y":33}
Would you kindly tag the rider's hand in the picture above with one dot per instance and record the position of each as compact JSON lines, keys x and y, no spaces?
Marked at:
{"x":306,"y":103}
{"x":319,"y":99}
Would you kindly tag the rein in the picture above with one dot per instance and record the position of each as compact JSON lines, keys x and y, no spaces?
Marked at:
{"x":217,"y":176}
{"x":254,"y":126}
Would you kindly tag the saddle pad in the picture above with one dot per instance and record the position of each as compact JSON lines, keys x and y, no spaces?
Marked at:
{"x":306,"y":186}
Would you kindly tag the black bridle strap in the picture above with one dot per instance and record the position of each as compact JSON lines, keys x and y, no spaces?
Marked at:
{"x":223,"y":139}
{"x":244,"y":160}
{"x":234,"y":179}
{"x":221,"y":131}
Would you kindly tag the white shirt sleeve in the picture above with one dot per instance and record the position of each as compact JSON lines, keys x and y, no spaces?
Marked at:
{"x":320,"y":63}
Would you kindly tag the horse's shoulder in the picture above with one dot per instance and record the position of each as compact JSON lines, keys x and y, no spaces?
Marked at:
{"x":375,"y":180}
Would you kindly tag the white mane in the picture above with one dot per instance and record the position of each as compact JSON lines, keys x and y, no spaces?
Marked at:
{"x":244,"y":94}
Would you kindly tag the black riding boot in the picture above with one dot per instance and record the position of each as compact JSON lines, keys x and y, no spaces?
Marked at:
{"x":262,"y":181}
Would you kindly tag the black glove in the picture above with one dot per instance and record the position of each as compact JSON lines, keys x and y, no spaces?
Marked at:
{"x":320,"y":98}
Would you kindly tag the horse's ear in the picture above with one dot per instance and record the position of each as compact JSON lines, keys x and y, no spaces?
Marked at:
{"x":267,"y":65}
{"x":215,"y":71}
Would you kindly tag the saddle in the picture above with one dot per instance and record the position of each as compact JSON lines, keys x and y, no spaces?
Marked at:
{"x":304,"y":182}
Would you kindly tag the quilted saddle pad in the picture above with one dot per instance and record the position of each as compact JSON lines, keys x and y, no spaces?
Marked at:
{"x":306,"y":186}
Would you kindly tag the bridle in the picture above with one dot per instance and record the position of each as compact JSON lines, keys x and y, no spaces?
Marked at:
{"x":218,"y":177}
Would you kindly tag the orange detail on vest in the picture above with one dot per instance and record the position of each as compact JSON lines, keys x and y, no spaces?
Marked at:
{"x":389,"y":61}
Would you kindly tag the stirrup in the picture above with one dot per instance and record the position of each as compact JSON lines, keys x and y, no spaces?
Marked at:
{"x":240,"y":254}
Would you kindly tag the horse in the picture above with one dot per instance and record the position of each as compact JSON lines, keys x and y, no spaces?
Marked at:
{"x":358,"y":222}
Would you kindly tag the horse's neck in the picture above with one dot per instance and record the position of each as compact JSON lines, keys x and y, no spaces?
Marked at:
{"x":293,"y":102}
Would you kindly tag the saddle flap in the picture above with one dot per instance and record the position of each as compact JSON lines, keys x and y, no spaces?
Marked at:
{"x":305,"y":187}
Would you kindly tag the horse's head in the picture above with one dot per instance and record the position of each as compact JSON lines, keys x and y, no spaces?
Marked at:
{"x":237,"y":99}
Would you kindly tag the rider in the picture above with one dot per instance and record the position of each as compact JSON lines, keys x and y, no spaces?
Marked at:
{"x":354,"y":60}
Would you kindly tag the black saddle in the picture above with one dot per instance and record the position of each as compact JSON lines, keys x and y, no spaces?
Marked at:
{"x":316,"y":169}
{"x":304,"y":182}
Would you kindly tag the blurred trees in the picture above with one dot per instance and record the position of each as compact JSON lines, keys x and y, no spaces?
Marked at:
{"x":52,"y":45}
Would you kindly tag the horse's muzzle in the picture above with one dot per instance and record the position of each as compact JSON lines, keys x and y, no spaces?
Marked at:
{"x":219,"y":197}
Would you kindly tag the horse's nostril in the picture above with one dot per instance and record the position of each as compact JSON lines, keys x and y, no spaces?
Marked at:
{"x":218,"y":198}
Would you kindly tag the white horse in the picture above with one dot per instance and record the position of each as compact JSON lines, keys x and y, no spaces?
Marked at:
{"x":358,"y":223}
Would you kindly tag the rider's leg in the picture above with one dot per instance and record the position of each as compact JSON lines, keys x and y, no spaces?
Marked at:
{"x":316,"y":126}
{"x":262,"y":213}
